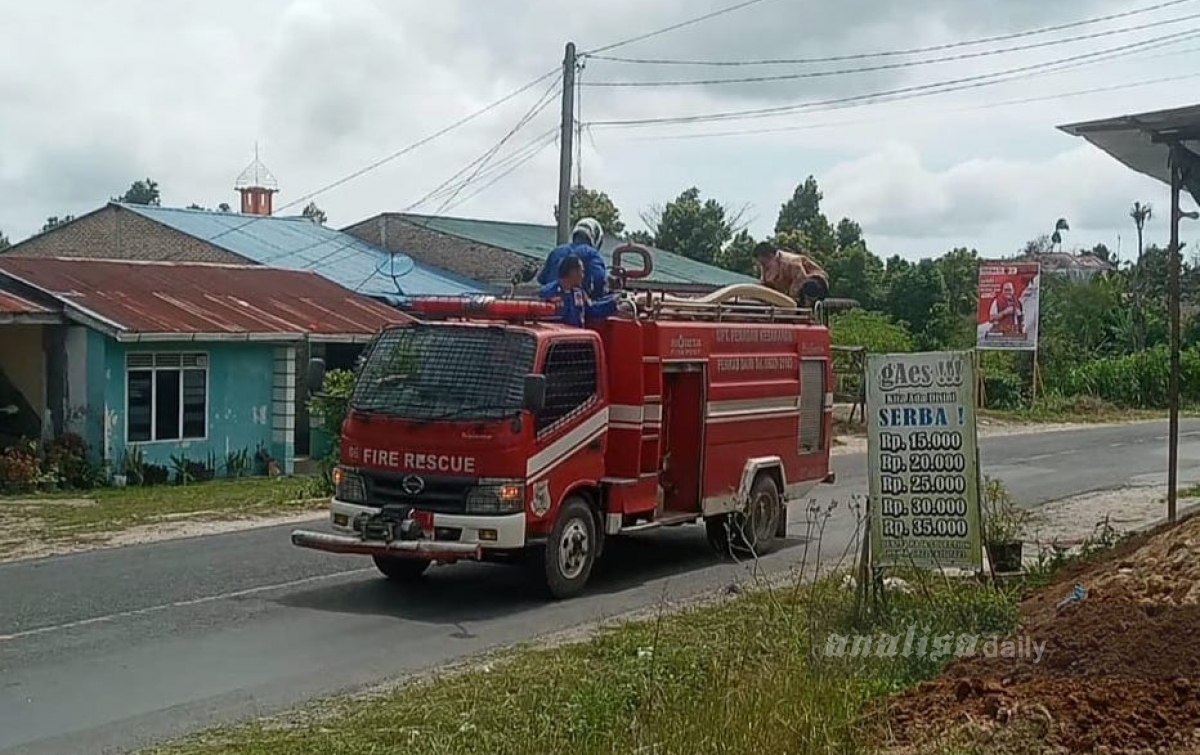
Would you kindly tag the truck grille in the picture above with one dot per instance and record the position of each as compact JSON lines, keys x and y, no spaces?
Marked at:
{"x":445,"y":495}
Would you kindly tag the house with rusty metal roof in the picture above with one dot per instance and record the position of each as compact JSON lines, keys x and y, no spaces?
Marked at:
{"x":492,"y":253}
{"x":168,"y":360}
{"x":166,"y":234}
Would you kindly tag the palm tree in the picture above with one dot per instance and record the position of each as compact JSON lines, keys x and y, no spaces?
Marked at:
{"x":1059,"y":227}
{"x":1140,"y":214}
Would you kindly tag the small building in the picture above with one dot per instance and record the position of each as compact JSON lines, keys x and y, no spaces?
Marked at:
{"x":492,"y":253}
{"x":120,"y":231}
{"x":1077,"y":267}
{"x":174,"y":359}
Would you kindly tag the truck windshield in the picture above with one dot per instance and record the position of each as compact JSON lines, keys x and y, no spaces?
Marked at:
{"x":431,"y":372}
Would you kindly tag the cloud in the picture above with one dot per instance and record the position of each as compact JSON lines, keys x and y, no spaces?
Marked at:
{"x":327,"y":87}
{"x":894,"y":195}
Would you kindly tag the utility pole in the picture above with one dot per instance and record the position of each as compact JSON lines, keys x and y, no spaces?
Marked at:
{"x":566,"y":145}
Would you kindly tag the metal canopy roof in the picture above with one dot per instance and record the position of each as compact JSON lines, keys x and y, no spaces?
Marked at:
{"x":1142,"y":142}
{"x":137,"y":300}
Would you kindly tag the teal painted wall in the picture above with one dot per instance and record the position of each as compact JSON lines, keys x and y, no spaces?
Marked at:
{"x":95,"y":409}
{"x":239,"y":400}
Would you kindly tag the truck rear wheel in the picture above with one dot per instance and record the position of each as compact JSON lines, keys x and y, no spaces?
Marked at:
{"x":750,"y":531}
{"x":571,"y":549}
{"x":401,"y":569}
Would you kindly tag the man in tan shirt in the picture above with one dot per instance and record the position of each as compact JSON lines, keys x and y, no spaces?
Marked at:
{"x":796,"y":275}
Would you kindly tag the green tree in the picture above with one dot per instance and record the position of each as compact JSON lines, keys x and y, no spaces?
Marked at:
{"x":796,"y":241}
{"x":917,"y":296}
{"x":55,"y":221}
{"x":694,"y":227}
{"x":738,"y":255}
{"x":1041,"y":245}
{"x":803,"y":213}
{"x":141,"y":192}
{"x":642,"y":237}
{"x":874,"y":330}
{"x":314,"y":213}
{"x":4,"y":242}
{"x":224,"y":207}
{"x":960,"y":271}
{"x":590,"y":203}
{"x":1101,"y":251}
{"x":856,"y":273}
{"x":848,"y":233}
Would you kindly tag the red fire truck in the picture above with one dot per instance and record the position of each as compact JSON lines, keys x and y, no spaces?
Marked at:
{"x":485,"y":432}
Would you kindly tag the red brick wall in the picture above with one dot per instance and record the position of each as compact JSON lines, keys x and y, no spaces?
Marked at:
{"x":115,"y":233}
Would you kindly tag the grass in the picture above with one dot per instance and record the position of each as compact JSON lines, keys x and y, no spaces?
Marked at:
{"x":28,"y":520}
{"x":745,"y":675}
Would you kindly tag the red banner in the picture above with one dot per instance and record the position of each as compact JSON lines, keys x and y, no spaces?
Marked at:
{"x":1008,"y":305}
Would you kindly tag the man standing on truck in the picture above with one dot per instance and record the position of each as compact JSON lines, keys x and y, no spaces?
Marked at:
{"x":586,"y":240}
{"x":574,"y":303}
{"x":797,"y":275}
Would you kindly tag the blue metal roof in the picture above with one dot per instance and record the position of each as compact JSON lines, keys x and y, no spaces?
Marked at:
{"x":297,"y":243}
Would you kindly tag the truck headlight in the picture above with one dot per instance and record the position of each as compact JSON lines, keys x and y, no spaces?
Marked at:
{"x":496,"y":497}
{"x":349,"y":486}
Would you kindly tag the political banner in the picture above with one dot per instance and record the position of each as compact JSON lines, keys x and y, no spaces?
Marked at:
{"x":922,"y":461}
{"x":1008,"y":305}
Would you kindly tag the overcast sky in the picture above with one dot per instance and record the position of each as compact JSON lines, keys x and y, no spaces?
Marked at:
{"x":97,"y":95}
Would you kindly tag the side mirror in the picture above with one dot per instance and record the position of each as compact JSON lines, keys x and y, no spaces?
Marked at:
{"x":535,"y":393}
{"x":316,"y":375}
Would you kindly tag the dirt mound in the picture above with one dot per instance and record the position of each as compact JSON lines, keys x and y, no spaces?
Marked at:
{"x":1118,"y":672}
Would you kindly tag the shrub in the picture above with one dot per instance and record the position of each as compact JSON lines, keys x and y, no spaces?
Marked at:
{"x":874,"y":330}
{"x":329,"y":409}
{"x":20,"y":469}
{"x":1134,"y":381}
{"x":68,"y":461}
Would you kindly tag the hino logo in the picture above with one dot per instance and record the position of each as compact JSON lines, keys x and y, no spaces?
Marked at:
{"x":412,"y":485}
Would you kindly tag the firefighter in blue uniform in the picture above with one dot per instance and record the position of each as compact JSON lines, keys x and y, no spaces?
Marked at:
{"x":586,"y":240}
{"x":574,"y":303}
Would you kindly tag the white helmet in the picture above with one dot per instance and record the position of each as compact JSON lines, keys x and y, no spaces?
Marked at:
{"x":590,"y":229}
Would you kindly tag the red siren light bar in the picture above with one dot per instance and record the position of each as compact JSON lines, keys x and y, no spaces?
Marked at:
{"x":483,"y":307}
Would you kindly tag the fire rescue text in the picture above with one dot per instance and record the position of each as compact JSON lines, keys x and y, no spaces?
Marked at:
{"x":382,"y":457}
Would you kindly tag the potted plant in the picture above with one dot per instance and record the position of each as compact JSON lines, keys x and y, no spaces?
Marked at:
{"x":1003,"y":527}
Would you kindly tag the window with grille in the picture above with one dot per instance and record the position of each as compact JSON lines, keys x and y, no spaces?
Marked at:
{"x":431,"y":372}
{"x":812,"y":406}
{"x":167,"y":396}
{"x":570,"y":381}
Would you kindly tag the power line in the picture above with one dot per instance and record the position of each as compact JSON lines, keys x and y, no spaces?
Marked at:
{"x":987,"y":106}
{"x":519,"y":155}
{"x":893,"y":66}
{"x":327,"y":257}
{"x":891,"y":53}
{"x":967,"y":82}
{"x":674,"y":27}
{"x":399,"y":153}
{"x":538,"y":106}
{"x":508,"y":172}
{"x":479,"y":162}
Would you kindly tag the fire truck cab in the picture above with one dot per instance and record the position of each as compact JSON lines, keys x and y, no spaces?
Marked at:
{"x":485,"y":432}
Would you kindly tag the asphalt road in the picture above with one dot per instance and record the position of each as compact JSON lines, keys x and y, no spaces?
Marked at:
{"x":113,"y":650}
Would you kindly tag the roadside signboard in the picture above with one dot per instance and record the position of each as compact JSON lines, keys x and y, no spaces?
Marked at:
{"x":1007,"y":317}
{"x":922,"y":461}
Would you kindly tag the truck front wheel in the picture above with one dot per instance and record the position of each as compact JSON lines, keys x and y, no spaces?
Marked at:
{"x":570,"y":550}
{"x":401,"y":569}
{"x":749,"y":531}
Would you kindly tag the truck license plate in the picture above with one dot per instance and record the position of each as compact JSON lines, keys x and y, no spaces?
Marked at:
{"x":425,"y":519}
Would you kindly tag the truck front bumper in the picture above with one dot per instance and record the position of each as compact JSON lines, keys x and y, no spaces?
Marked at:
{"x":423,"y":549}
{"x":455,"y":536}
